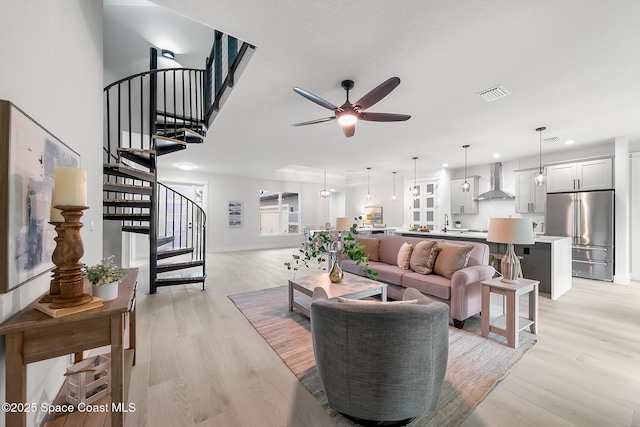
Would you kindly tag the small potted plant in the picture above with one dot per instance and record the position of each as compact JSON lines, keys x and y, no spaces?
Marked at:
{"x":104,"y":278}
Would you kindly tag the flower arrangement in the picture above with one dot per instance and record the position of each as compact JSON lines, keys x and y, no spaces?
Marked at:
{"x":316,"y":248}
{"x":106,"y":271}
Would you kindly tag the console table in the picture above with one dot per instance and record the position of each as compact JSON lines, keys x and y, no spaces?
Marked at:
{"x":32,"y":336}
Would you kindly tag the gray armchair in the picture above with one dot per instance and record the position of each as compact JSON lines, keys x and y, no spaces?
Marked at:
{"x":381,"y":361}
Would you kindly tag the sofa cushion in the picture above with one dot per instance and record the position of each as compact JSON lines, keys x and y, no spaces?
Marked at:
{"x":350,"y":266}
{"x":430,"y":284}
{"x":404,"y":255}
{"x":390,"y":245}
{"x":420,"y":257}
{"x":387,"y":273}
{"x":453,"y":257}
{"x":371,"y":247}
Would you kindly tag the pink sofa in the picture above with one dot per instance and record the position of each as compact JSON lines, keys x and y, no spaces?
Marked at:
{"x":462,"y":292}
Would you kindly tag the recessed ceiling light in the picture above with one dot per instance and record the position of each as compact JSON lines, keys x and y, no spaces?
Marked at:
{"x":445,"y":165}
{"x":496,"y":155}
{"x":569,"y":141}
{"x":186,"y":166}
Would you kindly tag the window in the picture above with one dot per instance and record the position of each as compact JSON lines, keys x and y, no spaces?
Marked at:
{"x":279,"y":213}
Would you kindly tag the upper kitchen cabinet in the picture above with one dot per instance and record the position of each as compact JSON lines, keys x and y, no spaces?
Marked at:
{"x":530,"y":197}
{"x":462,"y":201}
{"x":580,"y":176}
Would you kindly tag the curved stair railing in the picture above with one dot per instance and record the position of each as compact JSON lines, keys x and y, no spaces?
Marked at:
{"x":182,"y":222}
{"x":152,"y":114}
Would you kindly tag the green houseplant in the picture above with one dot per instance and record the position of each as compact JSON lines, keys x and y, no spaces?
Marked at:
{"x":104,"y":278}
{"x":317,"y":248}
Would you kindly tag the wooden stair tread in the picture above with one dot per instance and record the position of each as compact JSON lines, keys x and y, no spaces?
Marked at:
{"x":181,"y":278}
{"x":142,"y":229}
{"x":127,"y":188}
{"x":126,"y":217}
{"x":119,"y":169}
{"x":195,"y":263}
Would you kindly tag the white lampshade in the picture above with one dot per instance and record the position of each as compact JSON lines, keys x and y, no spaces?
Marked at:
{"x":518,"y":231}
{"x":343,"y":224}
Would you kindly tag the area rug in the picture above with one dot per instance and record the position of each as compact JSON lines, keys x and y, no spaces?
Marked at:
{"x":475,"y":364}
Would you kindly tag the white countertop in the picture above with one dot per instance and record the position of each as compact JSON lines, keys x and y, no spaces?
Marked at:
{"x":470,"y":235}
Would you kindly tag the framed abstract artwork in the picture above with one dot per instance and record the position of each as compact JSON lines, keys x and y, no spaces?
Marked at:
{"x":28,"y":156}
{"x":235,"y":214}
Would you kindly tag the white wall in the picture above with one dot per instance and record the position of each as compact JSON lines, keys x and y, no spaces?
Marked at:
{"x":635,"y":213}
{"x":315,"y":210}
{"x":381,"y":188}
{"x":52,"y":70}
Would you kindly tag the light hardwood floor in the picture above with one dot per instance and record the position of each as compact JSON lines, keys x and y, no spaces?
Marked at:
{"x":200,"y":363}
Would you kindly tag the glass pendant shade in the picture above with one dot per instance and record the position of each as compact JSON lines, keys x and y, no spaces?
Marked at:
{"x":540,"y":178}
{"x":415,"y":191}
{"x":324,"y":193}
{"x":368,"y":182}
{"x":394,"y":198}
{"x":465,"y":185}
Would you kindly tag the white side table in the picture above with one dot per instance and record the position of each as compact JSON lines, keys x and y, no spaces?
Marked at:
{"x":510,"y":323}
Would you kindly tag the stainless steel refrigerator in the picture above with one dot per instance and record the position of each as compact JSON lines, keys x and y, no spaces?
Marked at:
{"x":588,"y":218}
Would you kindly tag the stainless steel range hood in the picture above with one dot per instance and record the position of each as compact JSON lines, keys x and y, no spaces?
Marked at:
{"x":496,"y":192}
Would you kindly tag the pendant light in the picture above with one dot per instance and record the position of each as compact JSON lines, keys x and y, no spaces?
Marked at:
{"x":368,"y":179}
{"x":465,"y":184}
{"x":394,"y":198}
{"x":324,"y":193}
{"x":415,"y":190}
{"x":540,"y":178}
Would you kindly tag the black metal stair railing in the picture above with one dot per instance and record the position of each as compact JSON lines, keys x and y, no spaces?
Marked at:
{"x":184,"y":221}
{"x":150,"y":114}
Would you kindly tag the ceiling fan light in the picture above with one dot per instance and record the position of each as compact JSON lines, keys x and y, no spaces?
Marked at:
{"x":540,"y":178}
{"x":347,"y":118}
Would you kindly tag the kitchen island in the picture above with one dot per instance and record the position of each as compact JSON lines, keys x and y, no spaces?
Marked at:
{"x":547,"y":260}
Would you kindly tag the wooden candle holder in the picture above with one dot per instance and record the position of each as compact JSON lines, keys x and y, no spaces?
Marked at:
{"x":56,"y":257}
{"x":70,"y":270}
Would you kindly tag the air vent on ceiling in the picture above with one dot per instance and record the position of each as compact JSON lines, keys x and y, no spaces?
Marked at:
{"x":552,"y":140}
{"x":493,"y":93}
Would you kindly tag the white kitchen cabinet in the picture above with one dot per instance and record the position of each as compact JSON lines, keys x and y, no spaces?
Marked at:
{"x":462,"y":201}
{"x":580,"y":176}
{"x":530,"y":197}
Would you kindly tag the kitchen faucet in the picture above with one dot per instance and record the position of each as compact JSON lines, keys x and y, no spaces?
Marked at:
{"x":446,"y":222}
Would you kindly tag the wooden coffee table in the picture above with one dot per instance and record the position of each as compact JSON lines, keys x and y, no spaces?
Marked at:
{"x":352,"y":286}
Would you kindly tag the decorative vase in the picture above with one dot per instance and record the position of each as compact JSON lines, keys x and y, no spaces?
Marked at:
{"x":107,"y":291}
{"x":336,"y":274}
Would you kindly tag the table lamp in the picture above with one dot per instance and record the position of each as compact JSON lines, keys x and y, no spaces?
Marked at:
{"x":343,"y":224}
{"x":512,"y":231}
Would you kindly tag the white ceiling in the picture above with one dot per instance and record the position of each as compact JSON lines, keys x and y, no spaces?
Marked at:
{"x":572,"y":66}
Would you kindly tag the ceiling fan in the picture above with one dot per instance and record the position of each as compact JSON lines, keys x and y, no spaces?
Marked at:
{"x":348,"y":114}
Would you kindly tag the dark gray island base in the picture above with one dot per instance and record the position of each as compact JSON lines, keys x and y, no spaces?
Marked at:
{"x":547,"y":260}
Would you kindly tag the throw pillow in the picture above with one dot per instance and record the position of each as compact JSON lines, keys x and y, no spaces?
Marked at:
{"x":420,"y":256}
{"x":431,"y":261}
{"x":404,"y":255}
{"x":372,"y":301}
{"x":371,"y":247}
{"x":452,"y":258}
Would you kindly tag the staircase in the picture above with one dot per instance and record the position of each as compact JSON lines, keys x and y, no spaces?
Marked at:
{"x":152,"y":114}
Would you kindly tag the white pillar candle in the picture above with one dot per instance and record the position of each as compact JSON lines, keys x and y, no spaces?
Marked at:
{"x":56,"y":214}
{"x":70,"y":187}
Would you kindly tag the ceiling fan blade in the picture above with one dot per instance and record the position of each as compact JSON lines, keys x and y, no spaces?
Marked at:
{"x":349,"y":130}
{"x":315,"y":98}
{"x":378,"y":93}
{"x":384,"y":117}
{"x":311,"y":122}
